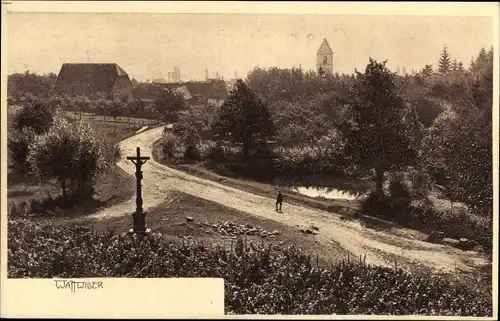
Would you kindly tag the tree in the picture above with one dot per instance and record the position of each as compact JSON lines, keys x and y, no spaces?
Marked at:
{"x":484,"y":60}
{"x":379,"y":125}
{"x":454,"y":66}
{"x":427,"y":71}
{"x":32,"y":83}
{"x":170,"y":102}
{"x":459,"y":144}
{"x":321,"y":72}
{"x":444,"y":62}
{"x":195,"y":125}
{"x":34,"y":115}
{"x":68,"y":152}
{"x":244,"y":119}
{"x":298,"y":124}
{"x":115,"y":110}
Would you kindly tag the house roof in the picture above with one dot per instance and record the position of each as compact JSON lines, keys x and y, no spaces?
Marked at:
{"x":184,"y":91}
{"x":325,"y":48}
{"x":209,"y":89}
{"x":88,"y":78}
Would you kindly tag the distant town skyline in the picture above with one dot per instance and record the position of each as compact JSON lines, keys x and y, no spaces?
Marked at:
{"x":148,"y":46}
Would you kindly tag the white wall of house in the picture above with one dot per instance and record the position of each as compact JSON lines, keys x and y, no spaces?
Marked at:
{"x":215,"y":101}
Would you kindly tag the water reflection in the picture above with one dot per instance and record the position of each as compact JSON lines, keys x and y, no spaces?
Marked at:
{"x":328,"y":193}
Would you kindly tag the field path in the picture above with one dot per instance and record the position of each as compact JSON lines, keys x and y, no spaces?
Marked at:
{"x":380,"y":247}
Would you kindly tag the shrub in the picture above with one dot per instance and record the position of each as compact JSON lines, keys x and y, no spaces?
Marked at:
{"x":169,"y":143}
{"x":18,"y":145}
{"x":34,"y":115}
{"x":398,"y":187}
{"x":378,"y":205}
{"x":216,"y":153}
{"x":421,"y":185}
{"x":192,"y":153}
{"x":69,"y":153}
{"x":275,"y":280}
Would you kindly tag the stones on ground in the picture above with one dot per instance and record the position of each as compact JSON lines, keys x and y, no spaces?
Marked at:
{"x":314,"y":228}
{"x":435,"y":237}
{"x":231,"y":229}
{"x":189,"y":219}
{"x":308,"y":230}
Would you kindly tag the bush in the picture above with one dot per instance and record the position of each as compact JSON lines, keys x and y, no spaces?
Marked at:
{"x":69,"y":153}
{"x":192,"y":153}
{"x":18,"y":145}
{"x":169,"y":143}
{"x":377,"y":205}
{"x":398,"y":187}
{"x":275,"y":280}
{"x":34,"y":115}
{"x":216,"y":153}
{"x":421,"y":185}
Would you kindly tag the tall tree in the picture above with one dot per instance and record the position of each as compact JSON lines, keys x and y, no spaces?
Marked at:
{"x":460,"y":143}
{"x":169,"y":102}
{"x":377,"y":129}
{"x":454,"y":66}
{"x":244,"y":118}
{"x":35,"y":115}
{"x":427,"y":71}
{"x":444,"y":61}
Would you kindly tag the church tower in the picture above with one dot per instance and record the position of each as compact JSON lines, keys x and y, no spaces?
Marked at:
{"x":324,"y":58}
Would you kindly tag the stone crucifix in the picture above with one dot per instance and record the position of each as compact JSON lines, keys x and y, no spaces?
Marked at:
{"x":139,"y":216}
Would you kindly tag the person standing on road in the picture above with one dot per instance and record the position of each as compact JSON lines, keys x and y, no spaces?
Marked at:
{"x":279,"y":201}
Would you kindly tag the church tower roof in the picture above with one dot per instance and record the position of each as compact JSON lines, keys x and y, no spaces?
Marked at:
{"x":325,"y":48}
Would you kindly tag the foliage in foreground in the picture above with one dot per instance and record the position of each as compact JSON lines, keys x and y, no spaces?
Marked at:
{"x":266,"y":281}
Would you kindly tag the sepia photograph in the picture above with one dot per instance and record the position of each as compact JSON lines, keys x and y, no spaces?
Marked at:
{"x":320,"y":164}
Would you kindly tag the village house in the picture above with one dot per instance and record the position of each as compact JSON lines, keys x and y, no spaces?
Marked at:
{"x":109,"y":81}
{"x":212,"y":92}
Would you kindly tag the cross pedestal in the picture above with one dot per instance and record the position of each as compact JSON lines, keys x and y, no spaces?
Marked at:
{"x":139,"y":217}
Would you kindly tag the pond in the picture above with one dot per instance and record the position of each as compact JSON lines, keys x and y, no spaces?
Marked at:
{"x":328,"y":193}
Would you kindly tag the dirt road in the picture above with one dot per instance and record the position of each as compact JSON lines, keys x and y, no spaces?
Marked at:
{"x":380,"y":247}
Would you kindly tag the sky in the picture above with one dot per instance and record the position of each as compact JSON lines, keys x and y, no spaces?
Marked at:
{"x":148,"y":46}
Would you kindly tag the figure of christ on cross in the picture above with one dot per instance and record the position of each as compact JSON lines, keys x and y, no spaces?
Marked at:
{"x":139,"y":216}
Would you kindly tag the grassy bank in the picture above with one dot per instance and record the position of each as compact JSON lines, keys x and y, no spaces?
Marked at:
{"x":278,"y":279}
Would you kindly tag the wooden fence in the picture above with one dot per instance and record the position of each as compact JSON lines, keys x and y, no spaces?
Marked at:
{"x":131,"y":121}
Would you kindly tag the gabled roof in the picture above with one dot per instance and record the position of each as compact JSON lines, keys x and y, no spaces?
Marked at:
{"x":184,"y":91}
{"x":208,"y":89}
{"x":325,"y":48}
{"x":88,"y":78}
